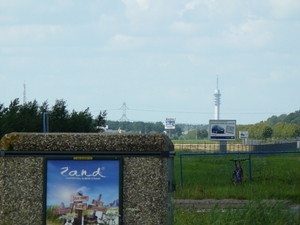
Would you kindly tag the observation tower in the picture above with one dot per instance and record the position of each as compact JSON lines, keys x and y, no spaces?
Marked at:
{"x":217,"y":95}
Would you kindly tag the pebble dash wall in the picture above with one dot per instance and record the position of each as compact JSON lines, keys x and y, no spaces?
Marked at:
{"x":145,"y":178}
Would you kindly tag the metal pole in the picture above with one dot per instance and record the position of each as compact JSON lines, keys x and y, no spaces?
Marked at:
{"x":180,"y":165}
{"x":170,"y":191}
{"x":250,"y":169}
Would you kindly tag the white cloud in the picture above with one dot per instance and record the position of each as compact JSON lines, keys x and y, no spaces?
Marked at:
{"x":283,"y":9}
{"x":120,"y":41}
{"x":202,"y":44}
{"x":272,"y":78}
{"x":28,"y":33}
{"x":189,"y":6}
{"x":12,"y":4}
{"x":6,"y":18}
{"x":137,"y":4}
{"x":250,"y":34}
{"x":212,"y":9}
{"x":183,"y":27}
{"x":144,"y":15}
{"x":143,"y":4}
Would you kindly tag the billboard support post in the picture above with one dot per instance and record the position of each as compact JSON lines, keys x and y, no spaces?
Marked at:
{"x":223,"y":146}
{"x":222,"y":131}
{"x":170,"y":124}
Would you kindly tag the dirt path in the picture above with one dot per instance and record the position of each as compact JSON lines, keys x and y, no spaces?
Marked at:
{"x":230,"y":203}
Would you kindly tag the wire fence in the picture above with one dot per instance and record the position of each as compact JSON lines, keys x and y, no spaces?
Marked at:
{"x":233,"y":147}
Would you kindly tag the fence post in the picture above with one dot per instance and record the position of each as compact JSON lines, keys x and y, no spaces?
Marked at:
{"x":250,"y":169}
{"x":180,"y":168}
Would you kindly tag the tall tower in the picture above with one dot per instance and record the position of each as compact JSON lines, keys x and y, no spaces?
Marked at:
{"x":217,"y":95}
{"x":24,"y":93}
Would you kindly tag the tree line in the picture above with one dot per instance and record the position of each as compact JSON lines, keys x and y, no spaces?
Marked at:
{"x":28,"y":117}
{"x":260,"y":131}
{"x":293,"y":118}
{"x":143,"y":127}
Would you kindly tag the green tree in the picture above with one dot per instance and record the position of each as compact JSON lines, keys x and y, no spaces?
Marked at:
{"x":191,"y":135}
{"x":273,"y":120}
{"x":158,"y":127}
{"x":293,"y":118}
{"x":59,"y":117}
{"x":285,"y":130}
{"x":202,"y":134}
{"x":29,"y":117}
{"x":260,"y":131}
{"x":266,"y":131}
{"x":11,"y":121}
{"x":81,"y":122}
{"x":138,"y":127}
{"x":100,"y":120}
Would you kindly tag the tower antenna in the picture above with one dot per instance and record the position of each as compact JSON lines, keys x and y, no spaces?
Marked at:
{"x":24,"y":93}
{"x":217,"y":95}
{"x":124,"y":117}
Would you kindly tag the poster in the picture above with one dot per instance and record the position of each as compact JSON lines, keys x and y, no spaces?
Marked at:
{"x":170,"y":123}
{"x":82,"y":191}
{"x":222,"y":130}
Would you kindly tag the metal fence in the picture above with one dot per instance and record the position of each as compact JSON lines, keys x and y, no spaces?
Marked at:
{"x":232,"y":147}
{"x":246,"y":154}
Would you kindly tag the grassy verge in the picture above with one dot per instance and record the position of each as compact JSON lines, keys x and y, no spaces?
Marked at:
{"x":250,"y":215}
{"x":273,"y":177}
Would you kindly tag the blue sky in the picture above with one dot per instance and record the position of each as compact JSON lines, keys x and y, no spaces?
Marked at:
{"x":160,"y":57}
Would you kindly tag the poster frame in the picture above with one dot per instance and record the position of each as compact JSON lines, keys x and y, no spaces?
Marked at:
{"x":170,"y":123}
{"x":81,"y":158}
{"x":226,"y":134}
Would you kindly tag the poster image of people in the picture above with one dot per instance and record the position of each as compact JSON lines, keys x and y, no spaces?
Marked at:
{"x":82,"y":192}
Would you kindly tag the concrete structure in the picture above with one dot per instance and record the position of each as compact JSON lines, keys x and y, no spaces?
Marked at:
{"x":217,"y":96}
{"x":147,"y":190}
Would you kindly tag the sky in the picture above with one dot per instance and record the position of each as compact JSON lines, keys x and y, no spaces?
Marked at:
{"x":148,"y":60}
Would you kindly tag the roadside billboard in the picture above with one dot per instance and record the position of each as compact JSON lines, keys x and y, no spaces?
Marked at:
{"x":222,"y":130}
{"x":170,"y":123}
{"x":243,"y":134}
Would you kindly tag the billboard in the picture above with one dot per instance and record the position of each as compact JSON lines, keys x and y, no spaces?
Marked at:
{"x":82,"y":190}
{"x":170,"y":123}
{"x":222,"y":130}
{"x":243,"y":134}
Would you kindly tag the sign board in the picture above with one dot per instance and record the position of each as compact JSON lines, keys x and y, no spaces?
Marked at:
{"x":243,"y":134}
{"x":170,"y":123}
{"x":222,"y":130}
{"x":82,"y":182}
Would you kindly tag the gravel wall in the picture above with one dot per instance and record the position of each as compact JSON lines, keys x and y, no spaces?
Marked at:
{"x":145,"y":178}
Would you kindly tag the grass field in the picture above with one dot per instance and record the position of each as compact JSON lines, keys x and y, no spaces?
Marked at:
{"x":274,"y":177}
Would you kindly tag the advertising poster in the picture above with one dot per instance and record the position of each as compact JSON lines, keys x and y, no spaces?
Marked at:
{"x":170,"y":123}
{"x":243,"y":134}
{"x":222,"y":130}
{"x":82,"y":191}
